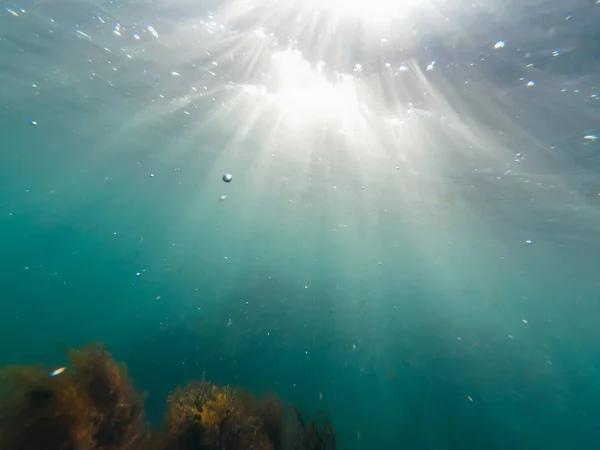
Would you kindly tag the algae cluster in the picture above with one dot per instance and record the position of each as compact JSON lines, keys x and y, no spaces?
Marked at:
{"x":94,"y":406}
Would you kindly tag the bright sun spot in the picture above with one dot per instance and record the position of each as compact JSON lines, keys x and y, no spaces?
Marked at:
{"x":302,"y":91}
{"x":371,"y":9}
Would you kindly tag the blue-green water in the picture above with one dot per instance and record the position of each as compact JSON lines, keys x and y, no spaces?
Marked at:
{"x":410,"y":240}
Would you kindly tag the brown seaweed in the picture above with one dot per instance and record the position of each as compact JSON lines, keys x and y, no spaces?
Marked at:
{"x":93,"y":405}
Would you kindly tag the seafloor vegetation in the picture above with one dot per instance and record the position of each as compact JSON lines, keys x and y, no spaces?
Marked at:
{"x":94,"y":406}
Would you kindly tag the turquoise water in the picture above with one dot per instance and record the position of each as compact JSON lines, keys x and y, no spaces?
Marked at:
{"x":409,"y":242}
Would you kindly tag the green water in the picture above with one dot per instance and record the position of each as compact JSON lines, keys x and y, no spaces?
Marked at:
{"x":404,"y":269}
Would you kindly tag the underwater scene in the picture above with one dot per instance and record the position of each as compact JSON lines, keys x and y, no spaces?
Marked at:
{"x":299,"y":224}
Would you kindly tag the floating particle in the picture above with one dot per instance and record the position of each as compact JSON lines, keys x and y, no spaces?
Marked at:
{"x":357,"y":67}
{"x":500,"y":44}
{"x":223,"y":198}
{"x":87,"y":36}
{"x":556,"y":53}
{"x":176,"y":74}
{"x":151,"y":29}
{"x":430,"y":66}
{"x":529,"y":241}
{"x":151,"y":175}
{"x":158,"y":297}
{"x":524,"y":321}
{"x":470,"y":398}
{"x":531,"y":83}
{"x":590,"y":137}
{"x":510,"y":336}
{"x":58,"y":371}
{"x":227,"y":177}
{"x":33,"y":122}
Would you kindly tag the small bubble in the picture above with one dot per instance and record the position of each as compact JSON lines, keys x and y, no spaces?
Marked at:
{"x":227,"y":177}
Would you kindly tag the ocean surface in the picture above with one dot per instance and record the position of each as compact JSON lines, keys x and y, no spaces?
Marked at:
{"x":410,"y":241}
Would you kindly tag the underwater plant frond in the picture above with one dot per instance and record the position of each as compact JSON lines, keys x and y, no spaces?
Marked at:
{"x":270,"y":416}
{"x":313,"y":435}
{"x":119,"y":407}
{"x":74,"y":403}
{"x":211,"y":417}
{"x":221,"y":416}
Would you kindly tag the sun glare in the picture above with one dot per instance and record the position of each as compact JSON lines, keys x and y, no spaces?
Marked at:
{"x":371,"y":9}
{"x":304,"y":90}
